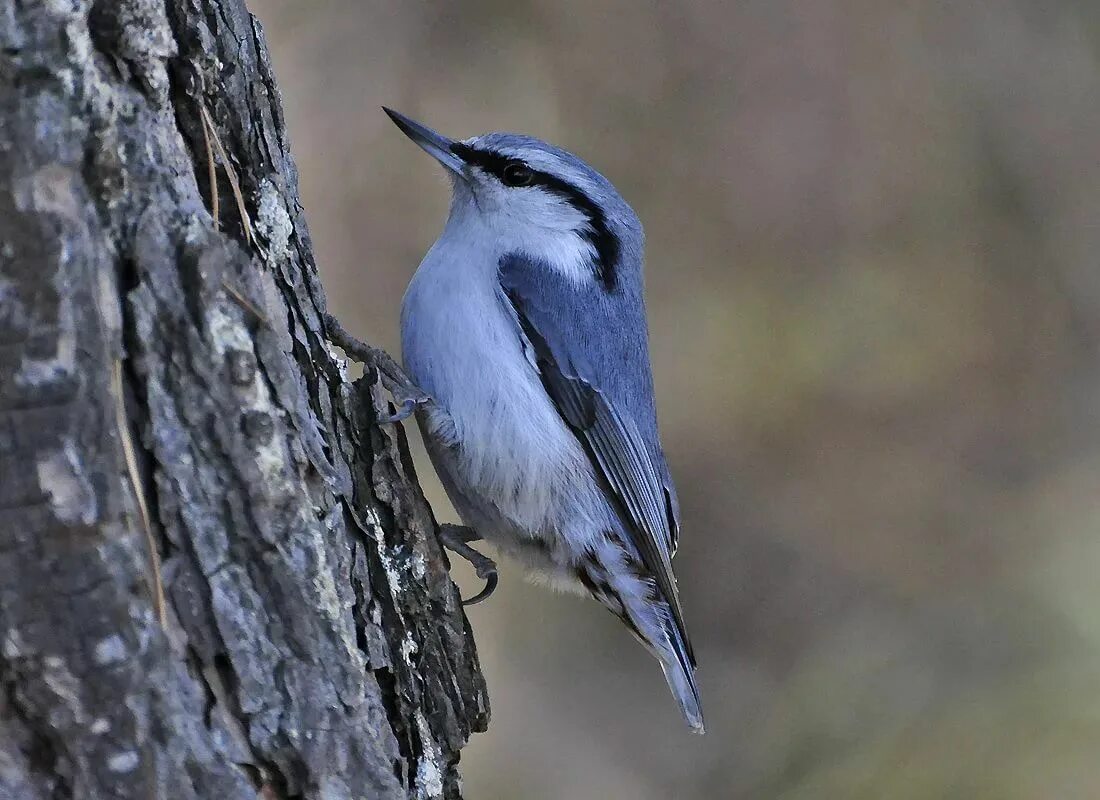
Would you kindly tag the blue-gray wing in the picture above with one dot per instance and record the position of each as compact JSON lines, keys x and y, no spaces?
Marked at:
{"x":591,"y":349}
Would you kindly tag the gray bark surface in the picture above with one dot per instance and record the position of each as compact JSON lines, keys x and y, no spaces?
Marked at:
{"x":218,"y":578}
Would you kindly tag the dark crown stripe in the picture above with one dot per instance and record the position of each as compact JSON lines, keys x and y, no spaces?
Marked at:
{"x":598,"y":234}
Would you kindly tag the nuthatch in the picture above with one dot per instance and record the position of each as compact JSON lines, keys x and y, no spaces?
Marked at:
{"x":524,"y":341}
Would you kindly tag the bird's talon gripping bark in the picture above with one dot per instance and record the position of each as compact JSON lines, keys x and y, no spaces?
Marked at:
{"x":407,"y":407}
{"x":406,"y":393}
{"x":403,"y":412}
{"x":456,"y":538}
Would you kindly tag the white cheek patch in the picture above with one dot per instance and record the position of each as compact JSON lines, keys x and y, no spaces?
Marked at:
{"x":568,"y":254}
{"x":484,"y":234}
{"x":548,"y":229}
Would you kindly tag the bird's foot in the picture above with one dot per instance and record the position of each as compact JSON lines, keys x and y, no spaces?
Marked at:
{"x":456,"y":538}
{"x":406,"y":394}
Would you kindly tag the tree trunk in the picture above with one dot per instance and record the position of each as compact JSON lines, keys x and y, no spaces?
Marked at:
{"x":218,"y":577}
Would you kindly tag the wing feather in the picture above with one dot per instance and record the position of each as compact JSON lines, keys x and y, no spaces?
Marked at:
{"x":591,"y":351}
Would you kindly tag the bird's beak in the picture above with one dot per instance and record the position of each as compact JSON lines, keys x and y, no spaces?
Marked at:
{"x":435,"y":145}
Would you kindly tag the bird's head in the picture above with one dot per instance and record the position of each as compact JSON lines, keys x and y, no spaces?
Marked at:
{"x":535,"y":198}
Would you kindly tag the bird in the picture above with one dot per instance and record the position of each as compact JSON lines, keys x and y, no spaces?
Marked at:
{"x":526,"y":363}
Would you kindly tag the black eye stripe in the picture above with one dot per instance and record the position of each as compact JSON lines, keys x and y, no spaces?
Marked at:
{"x":598,"y":234}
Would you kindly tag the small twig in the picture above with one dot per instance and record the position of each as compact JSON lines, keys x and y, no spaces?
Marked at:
{"x":236,"y":295}
{"x":230,"y":173}
{"x":139,"y":494}
{"x":211,"y":170}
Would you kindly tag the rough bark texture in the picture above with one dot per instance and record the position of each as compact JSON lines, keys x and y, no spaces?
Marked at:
{"x":151,"y":360}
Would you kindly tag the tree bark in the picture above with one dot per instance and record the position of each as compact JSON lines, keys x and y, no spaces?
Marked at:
{"x":218,"y":577}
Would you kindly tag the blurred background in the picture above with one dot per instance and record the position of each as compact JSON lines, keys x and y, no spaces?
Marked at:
{"x":874,"y":303}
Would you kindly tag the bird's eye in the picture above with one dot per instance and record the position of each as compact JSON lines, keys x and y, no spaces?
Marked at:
{"x":516,"y":173}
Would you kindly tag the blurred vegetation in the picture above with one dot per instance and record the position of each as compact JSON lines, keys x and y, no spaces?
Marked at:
{"x":874,"y":297}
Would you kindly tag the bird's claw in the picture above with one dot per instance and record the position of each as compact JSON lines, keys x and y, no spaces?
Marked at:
{"x":406,"y":393}
{"x":406,"y":409}
{"x":487,"y":571}
{"x":456,"y":538}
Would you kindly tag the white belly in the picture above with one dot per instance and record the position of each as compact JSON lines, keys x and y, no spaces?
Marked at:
{"x":461,"y":345}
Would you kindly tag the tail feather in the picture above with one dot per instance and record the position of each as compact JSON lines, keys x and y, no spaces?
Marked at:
{"x":679,"y":669}
{"x":637,"y":602}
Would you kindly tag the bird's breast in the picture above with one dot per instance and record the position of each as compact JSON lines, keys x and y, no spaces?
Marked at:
{"x":463,"y":347}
